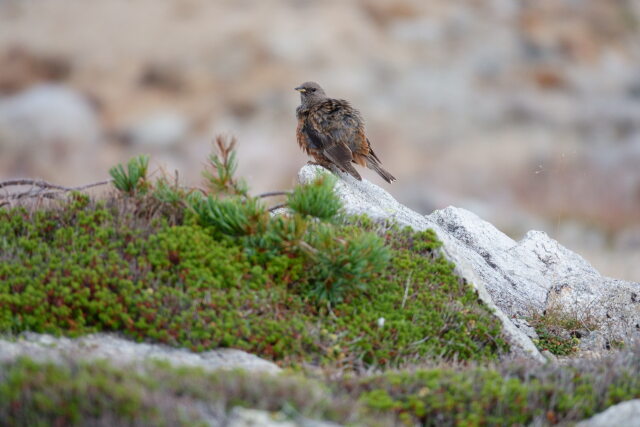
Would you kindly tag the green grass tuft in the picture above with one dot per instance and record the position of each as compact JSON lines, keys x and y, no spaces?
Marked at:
{"x":316,"y":199}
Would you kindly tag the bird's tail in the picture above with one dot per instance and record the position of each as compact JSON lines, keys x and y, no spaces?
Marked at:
{"x":373,"y":164}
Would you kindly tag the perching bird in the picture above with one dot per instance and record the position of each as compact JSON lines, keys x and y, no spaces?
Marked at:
{"x":332,"y":132}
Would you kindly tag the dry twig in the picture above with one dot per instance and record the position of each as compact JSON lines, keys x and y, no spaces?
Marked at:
{"x":39,"y":188}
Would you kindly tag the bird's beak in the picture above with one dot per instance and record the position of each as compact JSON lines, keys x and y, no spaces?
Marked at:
{"x":300,"y":89}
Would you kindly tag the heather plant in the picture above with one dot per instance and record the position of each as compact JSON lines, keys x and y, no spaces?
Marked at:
{"x":73,"y":393}
{"x":98,"y":266}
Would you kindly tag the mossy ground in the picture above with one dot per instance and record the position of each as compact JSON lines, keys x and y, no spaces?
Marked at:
{"x":112,"y":265}
{"x":334,"y":297}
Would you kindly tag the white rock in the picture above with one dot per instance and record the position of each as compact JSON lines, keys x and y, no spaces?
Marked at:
{"x":517,"y":277}
{"x":244,"y":417}
{"x":625,"y":414}
{"x":124,"y":352}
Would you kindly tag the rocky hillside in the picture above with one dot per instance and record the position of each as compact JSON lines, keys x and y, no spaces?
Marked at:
{"x":344,"y":306}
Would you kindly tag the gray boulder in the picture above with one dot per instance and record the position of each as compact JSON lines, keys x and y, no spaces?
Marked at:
{"x":124,"y":352}
{"x":625,"y":414}
{"x":245,"y":417}
{"x":517,"y":277}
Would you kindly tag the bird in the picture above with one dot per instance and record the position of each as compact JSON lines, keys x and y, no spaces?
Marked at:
{"x":332,"y":132}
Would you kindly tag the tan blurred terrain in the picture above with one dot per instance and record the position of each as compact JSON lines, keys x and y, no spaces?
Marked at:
{"x":525,"y":112}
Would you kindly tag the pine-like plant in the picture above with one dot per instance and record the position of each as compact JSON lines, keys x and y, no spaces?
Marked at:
{"x":339,"y":266}
{"x":233,"y":216}
{"x":316,"y":199}
{"x":221,"y":178}
{"x":134,"y":178}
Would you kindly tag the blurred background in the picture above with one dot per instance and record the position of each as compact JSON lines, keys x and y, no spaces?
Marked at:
{"x":525,"y":112}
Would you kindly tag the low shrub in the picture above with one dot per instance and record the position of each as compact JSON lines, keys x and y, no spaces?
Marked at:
{"x":515,"y":395}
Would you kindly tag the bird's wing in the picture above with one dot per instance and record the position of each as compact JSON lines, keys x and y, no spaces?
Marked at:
{"x":370,"y":150}
{"x":332,"y":126}
{"x":302,"y":136}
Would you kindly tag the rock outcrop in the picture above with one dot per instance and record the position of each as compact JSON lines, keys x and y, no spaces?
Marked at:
{"x":625,"y":414}
{"x":124,"y":352}
{"x":518,"y":277}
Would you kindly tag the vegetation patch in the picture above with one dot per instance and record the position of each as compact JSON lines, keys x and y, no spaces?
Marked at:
{"x":311,"y":288}
{"x":72,"y":393}
{"x":160,"y":263}
{"x":515,"y":395}
{"x":559,"y":330}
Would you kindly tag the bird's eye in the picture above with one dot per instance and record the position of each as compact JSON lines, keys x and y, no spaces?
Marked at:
{"x":313,"y":89}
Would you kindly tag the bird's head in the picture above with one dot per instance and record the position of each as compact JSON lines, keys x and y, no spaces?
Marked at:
{"x":310,"y":91}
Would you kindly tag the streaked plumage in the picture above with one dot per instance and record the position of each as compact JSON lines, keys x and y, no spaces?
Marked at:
{"x":332,"y":132}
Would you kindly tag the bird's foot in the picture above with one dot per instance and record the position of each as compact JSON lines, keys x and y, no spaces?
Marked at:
{"x":324,"y":165}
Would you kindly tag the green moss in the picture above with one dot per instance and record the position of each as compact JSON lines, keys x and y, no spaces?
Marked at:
{"x":174,"y":267}
{"x":90,"y":267}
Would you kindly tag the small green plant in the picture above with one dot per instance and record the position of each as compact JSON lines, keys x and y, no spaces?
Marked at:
{"x":169,"y":193}
{"x":223,"y":164}
{"x":559,"y":330}
{"x":316,"y":199}
{"x":338,"y":265}
{"x":134,"y":178}
{"x":234,"y":216}
{"x":555,"y":342}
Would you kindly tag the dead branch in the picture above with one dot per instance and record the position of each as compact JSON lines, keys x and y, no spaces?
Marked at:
{"x":273,"y":193}
{"x":278,"y":206}
{"x":39,"y":188}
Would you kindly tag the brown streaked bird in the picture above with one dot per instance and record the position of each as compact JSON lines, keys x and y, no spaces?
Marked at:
{"x":332,"y":132}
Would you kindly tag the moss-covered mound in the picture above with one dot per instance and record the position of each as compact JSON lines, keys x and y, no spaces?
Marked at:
{"x":157,"y":262}
{"x":106,"y":266}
